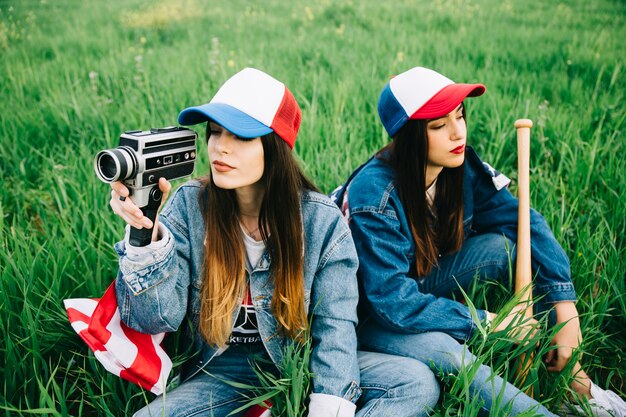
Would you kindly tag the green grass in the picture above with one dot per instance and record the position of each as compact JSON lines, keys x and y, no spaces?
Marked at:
{"x":74,"y":74}
{"x":287,"y":390}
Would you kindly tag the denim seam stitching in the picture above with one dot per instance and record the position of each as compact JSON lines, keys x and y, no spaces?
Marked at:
{"x":370,"y":209}
{"x":174,"y":222}
{"x":333,"y":248}
{"x":386,"y":195}
{"x":311,"y":197}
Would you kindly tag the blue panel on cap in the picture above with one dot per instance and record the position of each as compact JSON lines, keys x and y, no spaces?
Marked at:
{"x":391,"y":112}
{"x":230,"y":118}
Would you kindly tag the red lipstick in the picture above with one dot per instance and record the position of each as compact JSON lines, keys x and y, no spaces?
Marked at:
{"x":222,"y":166}
{"x":458,"y":150}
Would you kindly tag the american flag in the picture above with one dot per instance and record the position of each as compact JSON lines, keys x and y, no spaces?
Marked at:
{"x":131,"y":355}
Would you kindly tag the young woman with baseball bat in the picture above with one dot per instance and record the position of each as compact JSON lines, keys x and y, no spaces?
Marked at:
{"x":253,"y":257}
{"x":427,"y":216}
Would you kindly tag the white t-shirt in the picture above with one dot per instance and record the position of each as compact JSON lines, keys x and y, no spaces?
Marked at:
{"x":254,"y":250}
{"x":430,"y":193}
{"x":246,"y":330}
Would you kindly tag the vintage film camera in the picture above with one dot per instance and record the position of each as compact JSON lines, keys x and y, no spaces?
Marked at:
{"x":143,"y":157}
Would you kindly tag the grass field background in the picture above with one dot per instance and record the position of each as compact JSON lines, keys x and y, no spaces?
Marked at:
{"x":74,"y":74}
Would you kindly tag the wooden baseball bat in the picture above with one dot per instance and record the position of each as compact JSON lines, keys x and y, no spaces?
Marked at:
{"x":523,"y":275}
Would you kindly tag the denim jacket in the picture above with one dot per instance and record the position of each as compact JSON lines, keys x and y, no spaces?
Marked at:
{"x":386,"y":249}
{"x":157,"y":293}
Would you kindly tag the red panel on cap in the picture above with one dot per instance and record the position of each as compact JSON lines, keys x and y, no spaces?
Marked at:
{"x":287,"y":120}
{"x":447,"y":99}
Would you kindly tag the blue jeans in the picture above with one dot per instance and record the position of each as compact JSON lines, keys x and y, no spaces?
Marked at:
{"x":392,"y":386}
{"x":395,"y":387}
{"x":483,"y":256}
{"x":445,"y":354}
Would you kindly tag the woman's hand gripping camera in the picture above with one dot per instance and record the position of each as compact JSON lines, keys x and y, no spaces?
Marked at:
{"x":127,"y":210}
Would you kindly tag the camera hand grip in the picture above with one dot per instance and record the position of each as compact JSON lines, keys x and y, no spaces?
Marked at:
{"x":143,"y":237}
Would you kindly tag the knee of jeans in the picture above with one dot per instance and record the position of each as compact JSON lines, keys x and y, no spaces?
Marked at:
{"x":501,"y":247}
{"x":496,"y":242}
{"x":414,"y":380}
{"x":502,"y":256}
{"x":447,"y":354}
{"x":491,"y":254}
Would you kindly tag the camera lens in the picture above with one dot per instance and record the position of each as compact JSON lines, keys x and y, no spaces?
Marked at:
{"x":115,"y":164}
{"x":107,"y":166}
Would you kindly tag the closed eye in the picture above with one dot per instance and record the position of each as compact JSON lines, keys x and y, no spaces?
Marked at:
{"x":213,"y":133}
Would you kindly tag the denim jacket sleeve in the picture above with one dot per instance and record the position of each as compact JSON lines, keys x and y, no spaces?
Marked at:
{"x":334,"y":298}
{"x":496,"y":211}
{"x":152,"y":290}
{"x":384,"y":246}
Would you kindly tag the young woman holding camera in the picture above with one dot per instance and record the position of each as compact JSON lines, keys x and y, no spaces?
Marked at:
{"x":254,"y":257}
{"x":427,"y":216}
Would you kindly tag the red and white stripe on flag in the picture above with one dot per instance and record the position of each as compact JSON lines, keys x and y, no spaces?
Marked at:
{"x":263,"y":410}
{"x":134,"y":356}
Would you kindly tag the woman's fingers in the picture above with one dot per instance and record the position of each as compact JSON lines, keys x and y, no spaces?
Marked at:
{"x":165,"y":187}
{"x":134,"y":218}
{"x":554,"y":368}
{"x":560,"y":359}
{"x":120,"y":189}
{"x":125,"y":208}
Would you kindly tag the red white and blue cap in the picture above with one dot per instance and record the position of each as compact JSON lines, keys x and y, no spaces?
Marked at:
{"x":421,"y":93}
{"x":250,"y":104}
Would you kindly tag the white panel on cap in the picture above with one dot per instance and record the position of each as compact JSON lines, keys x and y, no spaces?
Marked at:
{"x":254,"y":93}
{"x":405,"y":87}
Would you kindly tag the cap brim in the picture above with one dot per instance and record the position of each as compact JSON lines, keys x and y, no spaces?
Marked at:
{"x":447,"y":100}
{"x":230,"y":118}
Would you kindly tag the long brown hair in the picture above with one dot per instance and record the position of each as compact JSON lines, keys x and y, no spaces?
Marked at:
{"x":280,"y":225}
{"x":433,"y":235}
